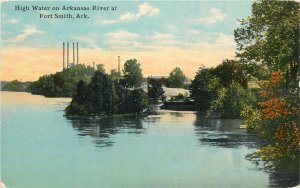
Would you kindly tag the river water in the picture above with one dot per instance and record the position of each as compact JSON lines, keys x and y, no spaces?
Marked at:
{"x":40,"y":148}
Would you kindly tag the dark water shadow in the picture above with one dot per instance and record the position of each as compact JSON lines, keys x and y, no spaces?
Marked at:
{"x":104,"y":129}
{"x":284,"y":179}
{"x":223,"y":133}
{"x":226,"y":133}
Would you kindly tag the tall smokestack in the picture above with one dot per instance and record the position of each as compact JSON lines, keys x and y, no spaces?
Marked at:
{"x":73,"y":54}
{"x":94,"y":65}
{"x":77,"y":53}
{"x":63,"y":55}
{"x":119,"y":62}
{"x":67,"y":54}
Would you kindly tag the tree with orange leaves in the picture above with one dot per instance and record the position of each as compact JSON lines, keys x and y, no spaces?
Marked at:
{"x":278,"y":124}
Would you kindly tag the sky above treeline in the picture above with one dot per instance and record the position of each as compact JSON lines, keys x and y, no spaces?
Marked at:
{"x":161,"y":35}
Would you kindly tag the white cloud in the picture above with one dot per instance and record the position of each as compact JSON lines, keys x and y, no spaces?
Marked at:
{"x":163,"y":39}
{"x":122,"y":35}
{"x":127,"y":16}
{"x":89,"y":40}
{"x":216,"y":16}
{"x":214,"y":41}
{"x":13,"y":21}
{"x":28,"y":31}
{"x":193,"y":31}
{"x":145,"y":9}
{"x":225,"y":40}
{"x":123,"y":39}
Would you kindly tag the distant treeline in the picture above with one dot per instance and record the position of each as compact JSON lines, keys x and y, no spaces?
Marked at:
{"x":14,"y":85}
{"x":61,"y":84}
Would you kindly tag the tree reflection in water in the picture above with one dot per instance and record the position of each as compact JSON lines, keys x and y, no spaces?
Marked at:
{"x":227,"y":133}
{"x":223,"y":133}
{"x":103,"y":129}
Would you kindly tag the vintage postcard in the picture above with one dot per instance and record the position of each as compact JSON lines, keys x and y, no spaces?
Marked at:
{"x":150,"y":94}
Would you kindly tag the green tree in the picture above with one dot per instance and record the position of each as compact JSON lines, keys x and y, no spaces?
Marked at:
{"x":176,"y":78}
{"x":132,"y":73}
{"x":100,"y":68}
{"x":155,"y":90}
{"x":114,"y":74}
{"x":109,"y":96}
{"x":233,"y":100}
{"x":204,"y":89}
{"x":44,"y":86}
{"x":137,"y":101}
{"x":257,"y":70}
{"x":80,"y":104}
{"x":230,"y":71}
{"x":270,"y":37}
{"x":81,"y":92}
{"x":96,"y":86}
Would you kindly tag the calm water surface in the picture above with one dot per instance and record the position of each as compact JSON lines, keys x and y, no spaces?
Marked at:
{"x":43,"y":149}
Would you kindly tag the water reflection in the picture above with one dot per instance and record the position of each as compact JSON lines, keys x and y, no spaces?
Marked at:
{"x":226,"y":133}
{"x":284,"y":179}
{"x":223,"y":133}
{"x":103,"y":129}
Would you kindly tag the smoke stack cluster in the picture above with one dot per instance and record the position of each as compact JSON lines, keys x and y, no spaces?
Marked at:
{"x":74,"y":62}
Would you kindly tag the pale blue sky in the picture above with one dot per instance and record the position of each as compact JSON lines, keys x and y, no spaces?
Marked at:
{"x":160,"y":34}
{"x":179,"y":23}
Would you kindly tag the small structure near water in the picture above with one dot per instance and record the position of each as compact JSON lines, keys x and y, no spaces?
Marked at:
{"x":179,"y":105}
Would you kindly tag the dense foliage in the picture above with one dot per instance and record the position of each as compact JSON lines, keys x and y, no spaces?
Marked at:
{"x":61,"y":84}
{"x":269,"y":40}
{"x":176,"y":78}
{"x":132,"y":73}
{"x":221,"y":89}
{"x":232,"y":100}
{"x":155,"y":90}
{"x":102,"y":96}
{"x":274,"y":120}
{"x":205,"y":88}
{"x":270,"y":37}
{"x":230,"y":71}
